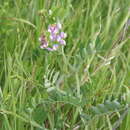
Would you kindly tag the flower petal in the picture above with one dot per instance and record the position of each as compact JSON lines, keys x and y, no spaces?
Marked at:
{"x":55,"y":46}
{"x":62,"y":42}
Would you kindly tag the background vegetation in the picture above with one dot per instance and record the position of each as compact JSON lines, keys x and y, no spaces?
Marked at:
{"x":83,"y":86}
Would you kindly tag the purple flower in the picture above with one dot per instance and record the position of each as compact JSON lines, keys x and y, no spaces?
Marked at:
{"x":53,"y":37}
{"x":53,"y":29}
{"x":55,"y":47}
{"x":62,"y":42}
{"x":58,"y":38}
{"x":56,"y":35}
{"x":63,"y":35}
{"x":50,"y":28}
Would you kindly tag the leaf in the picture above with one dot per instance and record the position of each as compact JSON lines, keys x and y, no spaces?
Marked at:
{"x":102,"y":108}
{"x":112,"y":105}
{"x":107,"y":107}
{"x":86,"y":116}
{"x":55,"y":77}
{"x":96,"y":110}
{"x":39,"y":114}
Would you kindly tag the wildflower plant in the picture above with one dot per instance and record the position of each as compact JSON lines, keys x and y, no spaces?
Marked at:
{"x":54,"y":39}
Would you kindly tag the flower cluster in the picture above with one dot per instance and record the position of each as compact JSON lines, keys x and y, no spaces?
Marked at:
{"x":56,"y":36}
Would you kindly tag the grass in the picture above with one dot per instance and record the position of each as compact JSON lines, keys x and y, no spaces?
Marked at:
{"x":83,"y":86}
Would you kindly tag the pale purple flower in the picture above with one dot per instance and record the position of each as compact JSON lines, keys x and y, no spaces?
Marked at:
{"x":50,"y":28}
{"x":63,"y":35}
{"x":56,"y":35}
{"x":53,"y":29}
{"x":55,"y":47}
{"x":53,"y":37}
{"x":62,"y":42}
{"x":58,"y":38}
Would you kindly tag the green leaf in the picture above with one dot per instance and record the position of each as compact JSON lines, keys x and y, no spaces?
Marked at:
{"x":39,"y":114}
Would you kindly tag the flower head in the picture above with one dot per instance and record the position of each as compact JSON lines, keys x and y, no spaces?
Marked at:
{"x":56,"y":35}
